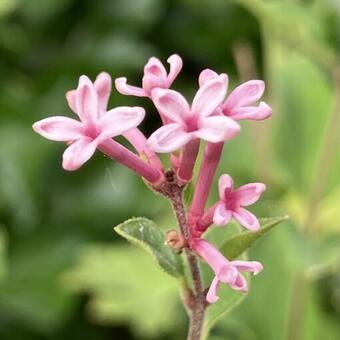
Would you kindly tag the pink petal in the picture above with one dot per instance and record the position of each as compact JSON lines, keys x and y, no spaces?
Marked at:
{"x":151,"y":82}
{"x":103,"y":86}
{"x":217,"y":129}
{"x":78,"y":153}
{"x":176,"y":65}
{"x":240,"y":283}
{"x":169,"y":138}
{"x":220,"y":265}
{"x":212,"y":292}
{"x":210,"y":96}
{"x":119,"y":120}
{"x":247,"y":219}
{"x":87,"y":101}
{"x":155,"y":67}
{"x":263,"y":111}
{"x":249,"y":193}
{"x":71,"y":100}
{"x":245,"y":94}
{"x":224,"y":182}
{"x":222,"y":216}
{"x":205,"y":76}
{"x":59,"y":128}
{"x":128,"y":90}
{"x":171,"y":104}
{"x":248,"y":266}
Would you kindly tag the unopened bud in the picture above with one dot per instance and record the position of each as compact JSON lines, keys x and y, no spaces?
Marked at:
{"x":175,"y":240}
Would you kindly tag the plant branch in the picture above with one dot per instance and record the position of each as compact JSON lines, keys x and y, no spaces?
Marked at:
{"x":174,"y":192}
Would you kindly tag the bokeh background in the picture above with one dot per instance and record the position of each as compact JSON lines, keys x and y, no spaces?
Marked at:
{"x":64,"y":274}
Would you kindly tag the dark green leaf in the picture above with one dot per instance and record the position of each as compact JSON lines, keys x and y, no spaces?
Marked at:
{"x":146,"y":234}
{"x":238,"y":244}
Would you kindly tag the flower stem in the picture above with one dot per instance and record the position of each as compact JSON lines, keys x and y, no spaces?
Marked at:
{"x":124,"y":156}
{"x":188,"y":159}
{"x":174,"y":192}
{"x":211,"y":158}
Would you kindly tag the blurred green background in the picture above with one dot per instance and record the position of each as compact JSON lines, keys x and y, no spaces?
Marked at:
{"x":64,"y":274}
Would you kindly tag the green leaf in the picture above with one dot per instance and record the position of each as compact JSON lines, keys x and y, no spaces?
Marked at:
{"x":147,"y":235}
{"x":125,"y":287}
{"x":238,"y":244}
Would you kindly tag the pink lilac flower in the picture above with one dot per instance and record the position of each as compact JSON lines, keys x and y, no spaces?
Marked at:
{"x":239,"y":104}
{"x":155,"y":76}
{"x":232,"y":202}
{"x":96,"y":125}
{"x":185,"y":123}
{"x":226,"y":271}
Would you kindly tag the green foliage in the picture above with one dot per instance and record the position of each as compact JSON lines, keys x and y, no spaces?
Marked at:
{"x":239,"y":243}
{"x":125,"y":287}
{"x":147,"y":235}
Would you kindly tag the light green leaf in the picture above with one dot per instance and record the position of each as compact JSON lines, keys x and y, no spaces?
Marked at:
{"x":238,"y":244}
{"x":126,"y":287}
{"x":147,"y":235}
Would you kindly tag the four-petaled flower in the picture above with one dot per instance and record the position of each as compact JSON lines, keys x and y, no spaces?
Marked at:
{"x":226,"y":271}
{"x":232,"y":202}
{"x":186,"y":123}
{"x":239,"y":104}
{"x":155,"y":76}
{"x":96,"y":125}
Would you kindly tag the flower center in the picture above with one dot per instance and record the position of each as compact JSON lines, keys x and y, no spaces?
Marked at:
{"x":230,"y":202}
{"x":91,"y":131}
{"x":192,"y":123}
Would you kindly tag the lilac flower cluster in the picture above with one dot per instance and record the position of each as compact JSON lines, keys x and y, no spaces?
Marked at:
{"x":212,"y":116}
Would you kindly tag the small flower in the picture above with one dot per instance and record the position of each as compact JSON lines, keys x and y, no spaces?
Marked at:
{"x":226,"y":271}
{"x":155,"y":76}
{"x":239,"y":105}
{"x":232,"y":202}
{"x":186,"y":123}
{"x":89,"y":102}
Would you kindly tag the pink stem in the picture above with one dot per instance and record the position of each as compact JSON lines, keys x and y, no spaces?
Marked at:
{"x":207,"y":219}
{"x":124,"y":156}
{"x":137,"y":139}
{"x":211,"y":158}
{"x":188,"y":159}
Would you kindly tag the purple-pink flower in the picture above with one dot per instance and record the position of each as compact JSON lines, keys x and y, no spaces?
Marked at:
{"x":96,"y":125}
{"x":240,"y":103}
{"x":185,"y":123}
{"x":155,"y":76}
{"x":226,"y":271}
{"x":232,"y":202}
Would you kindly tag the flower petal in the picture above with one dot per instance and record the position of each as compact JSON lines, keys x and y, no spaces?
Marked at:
{"x":240,"y":283}
{"x":210,"y":96}
{"x":221,"y":216}
{"x":103,"y":86}
{"x":225,"y":182}
{"x":176,"y":65}
{"x":171,"y":104}
{"x":261,"y":112}
{"x":128,"y":90}
{"x":205,"y":76}
{"x":217,"y":129}
{"x":71,"y":100}
{"x":212,"y":292}
{"x":155,"y":67}
{"x":119,"y":120}
{"x":247,"y":219}
{"x":150,"y":82}
{"x":245,"y":94}
{"x":59,"y":128}
{"x":87,"y":101}
{"x":78,"y":153}
{"x":248,"y":266}
{"x":249,"y":193}
{"x":168,"y":138}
